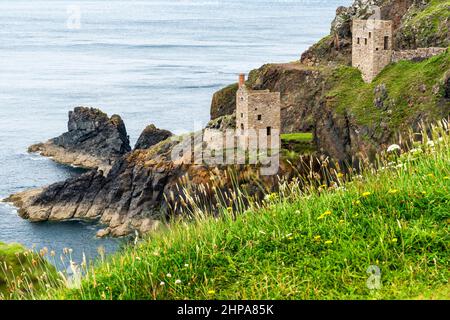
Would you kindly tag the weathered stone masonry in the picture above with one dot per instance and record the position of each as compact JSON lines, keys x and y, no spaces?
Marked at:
{"x":257,"y":109}
{"x":372,"y":48}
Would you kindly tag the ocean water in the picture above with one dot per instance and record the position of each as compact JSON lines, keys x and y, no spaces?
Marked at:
{"x":148,"y":61}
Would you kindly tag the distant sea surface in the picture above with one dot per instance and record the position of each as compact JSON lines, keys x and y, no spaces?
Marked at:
{"x":148,"y":61}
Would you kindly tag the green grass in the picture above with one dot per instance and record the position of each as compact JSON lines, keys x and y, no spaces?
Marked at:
{"x":348,"y":94}
{"x":313,"y":243}
{"x":430,"y":22}
{"x":21,"y":269}
{"x":297,"y":137}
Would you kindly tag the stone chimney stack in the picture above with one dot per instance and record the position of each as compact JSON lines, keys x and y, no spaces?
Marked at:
{"x":241,"y":80}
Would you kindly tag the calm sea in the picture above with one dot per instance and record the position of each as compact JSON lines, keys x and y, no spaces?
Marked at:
{"x":149,"y":61}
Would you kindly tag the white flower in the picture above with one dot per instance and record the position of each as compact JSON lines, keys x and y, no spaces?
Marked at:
{"x":186,"y":265}
{"x":430,"y":143}
{"x":393,"y":148}
{"x":178,"y":281}
{"x":162,"y":283}
{"x":169,"y":275}
{"x":415,"y":151}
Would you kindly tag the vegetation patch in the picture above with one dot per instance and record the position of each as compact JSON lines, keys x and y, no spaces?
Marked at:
{"x":22,"y":270}
{"x":400,"y":91}
{"x":380,"y":235}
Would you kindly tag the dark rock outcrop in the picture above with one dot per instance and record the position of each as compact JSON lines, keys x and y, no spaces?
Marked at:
{"x":130,"y":197}
{"x":224,"y":101}
{"x":93,"y":140}
{"x":151,"y":136}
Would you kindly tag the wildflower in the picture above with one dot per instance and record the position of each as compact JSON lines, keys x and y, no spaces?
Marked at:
{"x":211,"y":292}
{"x":393,"y":148}
{"x":447,"y":178}
{"x":340,"y":175}
{"x":323,"y":215}
{"x":393,"y":191}
{"x":169,"y":275}
{"x":328,"y":242}
{"x":394,"y":240}
{"x":162,"y":283}
{"x":52,"y":253}
{"x":424,"y":192}
{"x":430,"y":143}
{"x":430,"y":175}
{"x":366,"y":194}
{"x":186,"y":265}
{"x":357,"y":202}
{"x":178,"y":281}
{"x":341,"y":221}
{"x":317,"y":238}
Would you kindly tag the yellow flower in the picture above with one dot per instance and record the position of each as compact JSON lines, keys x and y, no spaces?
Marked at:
{"x":424,"y":192}
{"x":393,"y":191}
{"x":357,"y":202}
{"x":323,"y":215}
{"x":328,"y":242}
{"x":341,"y":221}
{"x":340,"y":175}
{"x":366,"y":194}
{"x":430,"y":175}
{"x":211,"y":292}
{"x":394,"y":240}
{"x":446,"y":178}
{"x":317,"y":238}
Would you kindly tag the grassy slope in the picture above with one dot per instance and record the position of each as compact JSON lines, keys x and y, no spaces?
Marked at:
{"x":15,"y":261}
{"x":317,"y":246}
{"x":402,"y":80}
{"x":428,"y":23}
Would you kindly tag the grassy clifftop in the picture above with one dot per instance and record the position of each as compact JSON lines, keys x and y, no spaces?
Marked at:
{"x":325,"y":242}
{"x":21,"y":270}
{"x":426,"y":26}
{"x":402,"y":90}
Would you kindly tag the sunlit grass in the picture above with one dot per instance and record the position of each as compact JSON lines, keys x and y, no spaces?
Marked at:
{"x":311,"y":240}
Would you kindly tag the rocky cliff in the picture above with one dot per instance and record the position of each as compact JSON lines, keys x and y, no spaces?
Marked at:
{"x":151,"y":136}
{"x":350,"y":119}
{"x":322,"y":94}
{"x":93,"y":140}
{"x":416,"y":23}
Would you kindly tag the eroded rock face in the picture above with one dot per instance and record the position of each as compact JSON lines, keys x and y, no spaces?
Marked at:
{"x":93,"y":140}
{"x":130,"y":197}
{"x":151,"y":136}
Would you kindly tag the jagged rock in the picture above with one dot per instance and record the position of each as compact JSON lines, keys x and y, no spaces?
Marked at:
{"x":93,"y":140}
{"x":130,"y":197}
{"x":151,"y":136}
